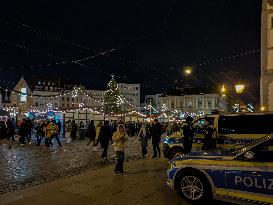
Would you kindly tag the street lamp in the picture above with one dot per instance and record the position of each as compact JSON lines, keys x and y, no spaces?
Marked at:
{"x":239,"y":90}
{"x":188,"y":70}
{"x":224,"y":99}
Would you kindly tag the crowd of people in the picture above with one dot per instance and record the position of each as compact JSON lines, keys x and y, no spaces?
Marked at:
{"x":99,"y":136}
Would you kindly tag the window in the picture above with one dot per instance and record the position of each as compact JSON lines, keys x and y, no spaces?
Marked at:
{"x":36,"y":104}
{"x":62,"y":98}
{"x":56,"y":105}
{"x":272,"y":22}
{"x":209,"y":104}
{"x":199,"y":103}
{"x":51,"y":88}
{"x":136,"y":88}
{"x":263,"y":152}
{"x":246,"y":124}
{"x":46,"y":87}
{"x":62,"y":105}
{"x":67,"y":98}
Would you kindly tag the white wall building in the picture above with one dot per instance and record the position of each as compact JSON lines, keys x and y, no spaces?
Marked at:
{"x":87,"y":98}
{"x":42,"y":103}
{"x":266,"y":87}
{"x":131,"y":95}
{"x":204,"y":103}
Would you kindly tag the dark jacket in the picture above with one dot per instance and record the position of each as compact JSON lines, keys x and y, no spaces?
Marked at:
{"x":187,"y":132}
{"x":105,"y":135}
{"x":91,"y":131}
{"x":156,"y":132}
{"x":3,"y":130}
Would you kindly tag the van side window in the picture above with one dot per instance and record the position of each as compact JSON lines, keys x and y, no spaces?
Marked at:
{"x":246,"y":124}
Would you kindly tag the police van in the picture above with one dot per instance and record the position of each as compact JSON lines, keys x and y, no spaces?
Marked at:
{"x":231,"y":131}
{"x":243,"y":175}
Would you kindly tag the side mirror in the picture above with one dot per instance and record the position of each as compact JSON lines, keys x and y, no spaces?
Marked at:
{"x":249,"y":155}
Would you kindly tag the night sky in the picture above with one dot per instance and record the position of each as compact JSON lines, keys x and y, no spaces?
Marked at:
{"x":151,"y":40}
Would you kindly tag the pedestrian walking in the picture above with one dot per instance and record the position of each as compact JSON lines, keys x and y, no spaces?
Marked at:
{"x":10,"y":130}
{"x":48,"y":134}
{"x":29,"y":126}
{"x":105,"y":137}
{"x":156,"y":137}
{"x":53,"y":127}
{"x":23,"y":131}
{"x":91,"y":133}
{"x":59,"y":124}
{"x":187,"y":132}
{"x":210,"y":140}
{"x":96,"y":141}
{"x":74,"y":130}
{"x":143,"y":138}
{"x":119,"y":141}
{"x":4,"y":135}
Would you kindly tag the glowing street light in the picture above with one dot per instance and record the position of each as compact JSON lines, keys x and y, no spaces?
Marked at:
{"x":223,"y":89}
{"x":188,"y":70}
{"x":263,"y":108}
{"x":239,"y":88}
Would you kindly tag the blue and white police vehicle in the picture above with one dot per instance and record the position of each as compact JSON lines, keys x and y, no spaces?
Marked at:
{"x":243,"y":175}
{"x":231,"y":130}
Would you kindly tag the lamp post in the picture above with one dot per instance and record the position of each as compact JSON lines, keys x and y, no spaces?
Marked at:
{"x":239,"y":90}
{"x":224,"y":97}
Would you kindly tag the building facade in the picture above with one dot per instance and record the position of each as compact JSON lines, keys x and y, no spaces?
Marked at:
{"x":192,"y":103}
{"x":266,"y":84}
{"x":131,"y":95}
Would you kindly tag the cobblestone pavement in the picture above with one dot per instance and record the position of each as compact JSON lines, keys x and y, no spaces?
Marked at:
{"x":30,"y":165}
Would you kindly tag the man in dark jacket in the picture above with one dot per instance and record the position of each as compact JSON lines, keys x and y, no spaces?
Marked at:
{"x":104,"y":137}
{"x":29,"y":127}
{"x":209,"y":141}
{"x":156,"y":132}
{"x":74,"y":130}
{"x":91,"y":132}
{"x":23,"y":131}
{"x":188,"y":134}
{"x":10,"y":130}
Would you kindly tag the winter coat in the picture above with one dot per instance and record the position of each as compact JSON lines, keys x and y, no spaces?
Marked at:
{"x":3,"y":131}
{"x":142,"y":136}
{"x":119,"y":141}
{"x":91,"y":131}
{"x":23,"y":130}
{"x":156,"y":132}
{"x":105,"y":136}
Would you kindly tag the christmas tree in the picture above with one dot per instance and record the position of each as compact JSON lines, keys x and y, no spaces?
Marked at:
{"x":112,"y":99}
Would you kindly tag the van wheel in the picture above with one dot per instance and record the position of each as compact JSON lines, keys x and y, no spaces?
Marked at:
{"x":176,"y":153}
{"x":194,"y":187}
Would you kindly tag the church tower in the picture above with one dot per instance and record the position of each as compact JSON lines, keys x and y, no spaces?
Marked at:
{"x":266,"y":87}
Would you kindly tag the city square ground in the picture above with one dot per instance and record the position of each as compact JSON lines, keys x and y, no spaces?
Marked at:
{"x":76,"y":175}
